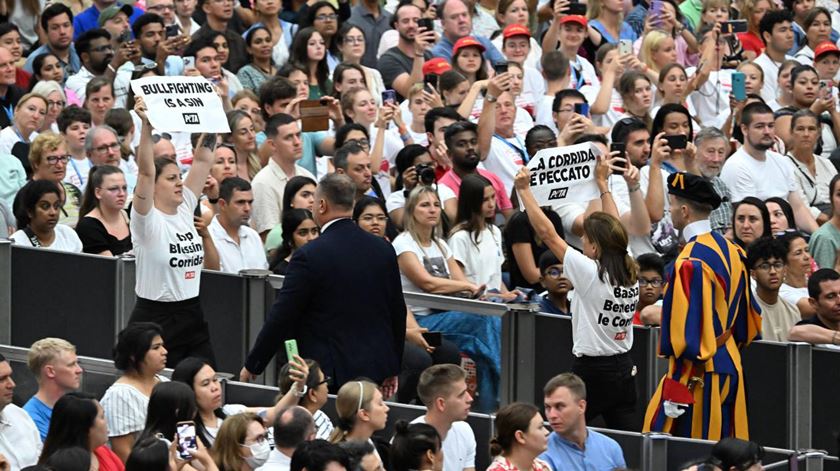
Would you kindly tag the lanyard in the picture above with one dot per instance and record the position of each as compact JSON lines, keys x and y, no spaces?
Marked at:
{"x":519,"y":150}
{"x":15,"y":129}
{"x":9,"y":112}
{"x":577,"y":74}
{"x":78,"y":174}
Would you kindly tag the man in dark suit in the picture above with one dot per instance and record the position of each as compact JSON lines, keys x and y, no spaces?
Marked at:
{"x":341,"y":300}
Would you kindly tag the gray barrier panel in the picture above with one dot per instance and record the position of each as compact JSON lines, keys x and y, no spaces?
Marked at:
{"x":681,"y":451}
{"x":59,"y":294}
{"x":223,"y":302}
{"x":631,"y":446}
{"x":765,"y":377}
{"x":825,"y":390}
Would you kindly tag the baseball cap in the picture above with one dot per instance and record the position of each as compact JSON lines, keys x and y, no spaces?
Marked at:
{"x":466,"y":41}
{"x":112,"y":11}
{"x":826,"y":47}
{"x":581,"y":20}
{"x":436,"y":66}
{"x":515,"y":30}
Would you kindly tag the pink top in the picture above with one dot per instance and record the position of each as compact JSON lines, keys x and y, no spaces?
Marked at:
{"x":502,"y":464}
{"x":453,"y":181}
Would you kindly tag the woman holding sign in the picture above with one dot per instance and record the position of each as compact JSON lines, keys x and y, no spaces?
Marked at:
{"x":606,"y":294}
{"x":170,"y":254}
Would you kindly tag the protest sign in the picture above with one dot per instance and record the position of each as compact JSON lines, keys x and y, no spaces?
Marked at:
{"x":564,"y":174}
{"x":182,"y":104}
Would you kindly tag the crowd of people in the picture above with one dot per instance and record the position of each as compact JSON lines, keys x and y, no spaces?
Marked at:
{"x":717,"y":214}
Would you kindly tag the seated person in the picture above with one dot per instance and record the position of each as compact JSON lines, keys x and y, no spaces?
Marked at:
{"x":766,"y":260}
{"x":651,"y":286}
{"x":571,"y":440}
{"x":37,"y":208}
{"x":555,"y":299}
{"x":824,"y":326}
{"x":21,"y":444}
{"x":292,"y":426}
{"x":315,"y":397}
{"x":54,"y":363}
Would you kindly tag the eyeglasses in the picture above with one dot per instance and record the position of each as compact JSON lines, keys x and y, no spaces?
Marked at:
{"x":164,"y":135}
{"x":54,"y":159}
{"x":554,"y":273}
{"x":656,"y":283}
{"x":103,"y":48}
{"x":107,"y":147}
{"x":59,"y":104}
{"x":766,"y":266}
{"x":117,"y":189}
{"x":329,"y":17}
{"x":371,"y":217}
{"x":327,"y":380}
{"x":354,"y":40}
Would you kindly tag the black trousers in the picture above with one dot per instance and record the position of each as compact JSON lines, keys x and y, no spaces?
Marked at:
{"x":185,"y":332}
{"x":415,"y":360}
{"x":610,"y":390}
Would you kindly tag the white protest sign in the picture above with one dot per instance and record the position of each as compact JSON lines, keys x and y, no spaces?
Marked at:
{"x":564,"y":174}
{"x":182,"y":104}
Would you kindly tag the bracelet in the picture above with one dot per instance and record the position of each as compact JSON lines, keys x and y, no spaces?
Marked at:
{"x":405,"y":137}
{"x":604,"y":193}
{"x":490,"y":98}
{"x":635,"y":188}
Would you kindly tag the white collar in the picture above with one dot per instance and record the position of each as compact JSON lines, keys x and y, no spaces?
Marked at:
{"x":330,"y":223}
{"x":695,"y":229}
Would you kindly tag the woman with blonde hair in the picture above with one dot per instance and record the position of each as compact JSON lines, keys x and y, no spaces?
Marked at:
{"x":605,"y":277}
{"x":27,"y":120}
{"x":243,"y":137}
{"x":520,"y":438}
{"x":361,"y":412}
{"x":606,"y":20}
{"x":657,"y":50}
{"x":49,"y":158}
{"x":753,"y":11}
{"x":242,"y":443}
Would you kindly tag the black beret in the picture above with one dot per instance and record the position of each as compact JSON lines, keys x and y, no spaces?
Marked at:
{"x":694,"y":188}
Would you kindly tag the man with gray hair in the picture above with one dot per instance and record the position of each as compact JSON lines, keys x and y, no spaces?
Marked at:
{"x":102,"y":147}
{"x":326,"y":303}
{"x":292,"y":426}
{"x":712,"y":149}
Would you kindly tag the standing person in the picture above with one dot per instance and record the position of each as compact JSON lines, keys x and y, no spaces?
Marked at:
{"x":103,"y":225}
{"x":238,"y":245}
{"x":54,"y":363}
{"x":169,"y":253}
{"x":606,"y":294}
{"x":776,"y":31}
{"x":702,"y":395}
{"x":374,"y":21}
{"x":325,"y":285}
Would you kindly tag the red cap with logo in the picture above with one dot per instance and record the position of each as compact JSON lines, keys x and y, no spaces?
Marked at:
{"x":579,"y":19}
{"x":826,"y":47}
{"x":515,"y":30}
{"x":466,"y":41}
{"x":436,"y":66}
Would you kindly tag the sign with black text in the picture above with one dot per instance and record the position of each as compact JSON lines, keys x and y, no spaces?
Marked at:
{"x":182,"y":104}
{"x":564,"y":174}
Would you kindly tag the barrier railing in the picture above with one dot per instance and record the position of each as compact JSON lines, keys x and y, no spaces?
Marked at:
{"x":87,"y":299}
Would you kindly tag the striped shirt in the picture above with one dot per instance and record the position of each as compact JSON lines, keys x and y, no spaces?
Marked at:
{"x":125,"y":409}
{"x":323,"y":425}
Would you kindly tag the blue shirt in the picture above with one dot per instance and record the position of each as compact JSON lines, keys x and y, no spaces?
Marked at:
{"x":625,"y":33}
{"x":89,"y":19}
{"x":601,"y":453}
{"x":444,"y":49}
{"x":40,"y":413}
{"x":70,"y":68}
{"x":548,"y":307}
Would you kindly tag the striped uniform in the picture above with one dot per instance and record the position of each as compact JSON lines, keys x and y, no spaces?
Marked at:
{"x":707,"y":315}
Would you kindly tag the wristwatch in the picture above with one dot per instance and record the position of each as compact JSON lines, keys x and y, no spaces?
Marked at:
{"x":491,"y":98}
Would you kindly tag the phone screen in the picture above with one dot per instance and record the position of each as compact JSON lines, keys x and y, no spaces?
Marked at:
{"x":186,"y":439}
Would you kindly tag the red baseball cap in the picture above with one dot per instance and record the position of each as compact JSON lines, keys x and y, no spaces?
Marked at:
{"x":466,"y":41}
{"x":515,"y":30}
{"x":436,"y":66}
{"x":581,"y":20}
{"x":826,"y":47}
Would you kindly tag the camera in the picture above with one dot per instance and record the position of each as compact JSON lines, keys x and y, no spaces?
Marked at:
{"x":425,"y":174}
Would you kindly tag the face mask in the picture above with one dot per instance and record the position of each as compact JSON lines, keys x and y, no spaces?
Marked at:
{"x":259,"y":454}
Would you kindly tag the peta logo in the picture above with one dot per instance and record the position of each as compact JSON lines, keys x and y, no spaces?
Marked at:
{"x":191,"y":118}
{"x":558,"y":193}
{"x":189,"y":275}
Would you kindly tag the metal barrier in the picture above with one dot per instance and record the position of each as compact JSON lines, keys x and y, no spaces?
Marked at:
{"x":87,"y":299}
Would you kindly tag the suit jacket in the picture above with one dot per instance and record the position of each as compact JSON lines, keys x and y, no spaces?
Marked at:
{"x":342,"y":301}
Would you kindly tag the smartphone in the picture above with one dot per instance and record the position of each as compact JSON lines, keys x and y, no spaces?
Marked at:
{"x":172,"y":31}
{"x":291,"y":349}
{"x":619,"y":146}
{"x":500,"y":67}
{"x":434,"y":339}
{"x":576,"y":8}
{"x":679,"y":141}
{"x":826,"y":88}
{"x":733,"y":27}
{"x":189,"y":62}
{"x":582,"y":109}
{"x":389,"y":97}
{"x":124,"y":37}
{"x":186,"y":439}
{"x":431,"y":80}
{"x":656,"y":8}
{"x":738,"y":86}
{"x":625,"y":47}
{"x":426,"y":23}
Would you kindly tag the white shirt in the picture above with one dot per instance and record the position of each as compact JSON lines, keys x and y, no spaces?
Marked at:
{"x":504,"y":159}
{"x":433,"y":258}
{"x":458,"y":446}
{"x":277,"y":461}
{"x":248,"y":253}
{"x":396,"y":199}
{"x":78,"y":172}
{"x":268,"y":186}
{"x":169,"y":251}
{"x":9,"y":137}
{"x":805,"y":56}
{"x":603,"y":313}
{"x":792,"y":295}
{"x":66,"y":239}
{"x":813,"y":189}
{"x":323,"y":425}
{"x":78,"y":83}
{"x":20,"y":442}
{"x":125,"y":408}
{"x":746,"y":176}
{"x":770,"y":90}
{"x":544,"y":113}
{"x":711,"y":100}
{"x":482,"y":262}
